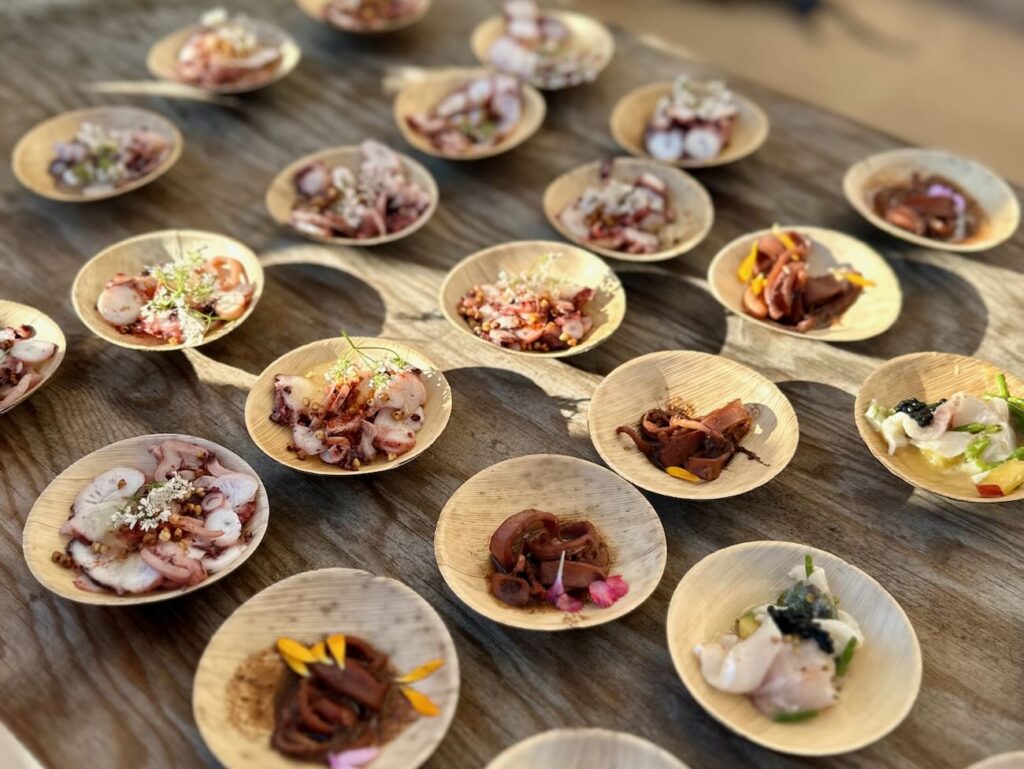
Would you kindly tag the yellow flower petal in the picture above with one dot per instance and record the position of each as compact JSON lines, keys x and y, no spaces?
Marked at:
{"x":679,"y":472}
{"x":420,"y":702}
{"x":336,"y":643}
{"x":784,"y":237}
{"x":746,"y":268}
{"x":757,"y":284}
{"x":295,"y":650}
{"x":320,"y":652}
{"x":418,"y":674}
{"x":297,"y":665}
{"x":858,"y":280}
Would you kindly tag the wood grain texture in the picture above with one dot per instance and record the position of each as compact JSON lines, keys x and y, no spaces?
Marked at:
{"x":884,"y":675}
{"x":955,"y":567}
{"x":15,"y":314}
{"x":585,"y":749}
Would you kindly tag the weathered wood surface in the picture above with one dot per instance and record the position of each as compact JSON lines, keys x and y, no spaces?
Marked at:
{"x":113,"y":687}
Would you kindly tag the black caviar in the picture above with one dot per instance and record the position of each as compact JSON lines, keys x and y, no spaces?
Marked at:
{"x":920,"y":412}
{"x":792,"y":622}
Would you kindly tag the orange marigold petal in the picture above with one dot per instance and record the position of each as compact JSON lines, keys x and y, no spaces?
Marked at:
{"x":319,"y":650}
{"x":297,"y":665}
{"x":418,"y":674}
{"x":420,"y":702}
{"x":295,"y":650}
{"x":679,"y":472}
{"x":337,"y":644}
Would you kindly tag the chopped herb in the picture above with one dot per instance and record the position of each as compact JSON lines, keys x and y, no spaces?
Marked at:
{"x":977,"y":427}
{"x":843,"y":662}
{"x":808,"y":565}
{"x":793,"y":718}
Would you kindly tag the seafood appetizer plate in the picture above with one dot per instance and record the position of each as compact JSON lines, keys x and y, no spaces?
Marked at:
{"x":331,"y":196}
{"x":656,"y":212}
{"x":534,"y":297}
{"x":348,"y":405}
{"x":933,"y":199}
{"x":366,"y":17}
{"x":323,"y":661}
{"x":225,"y":54}
{"x":96,"y":153}
{"x":948,"y":424}
{"x":716,"y":140}
{"x":692,"y":425}
{"x":145,"y":519}
{"x":585,"y":749}
{"x":848,"y":291}
{"x":468,"y":114}
{"x":32,"y":347}
{"x":797,"y":672}
{"x":548,"y":542}
{"x":168,"y":290}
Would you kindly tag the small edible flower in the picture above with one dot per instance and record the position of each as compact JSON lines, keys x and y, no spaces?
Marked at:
{"x":336,"y":643}
{"x":319,"y":650}
{"x":420,"y":702}
{"x":295,"y":650}
{"x":352,"y":759}
{"x":557,"y":589}
{"x":568,"y":604}
{"x":746,"y":268}
{"x":605,"y":592}
{"x":679,"y":472}
{"x":418,"y":674}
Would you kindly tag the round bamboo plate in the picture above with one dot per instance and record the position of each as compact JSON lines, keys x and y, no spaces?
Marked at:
{"x":315,"y":10}
{"x":585,"y":749}
{"x":587,"y":34}
{"x":307,"y":607}
{"x":280,"y":198}
{"x":422,"y":95}
{"x":51,"y":511}
{"x":884,"y":677}
{"x":163,"y":58}
{"x":691,"y":203}
{"x":874,"y":312}
{"x":573,"y":264}
{"x":928,"y":376}
{"x":704,"y":382}
{"x":633,"y":112}
{"x":34,"y":152}
{"x":314,"y":359}
{"x":1014,"y":760}
{"x":135,"y":254}
{"x":570,"y":488}
{"x":14,"y":314}
{"x":996,"y":198}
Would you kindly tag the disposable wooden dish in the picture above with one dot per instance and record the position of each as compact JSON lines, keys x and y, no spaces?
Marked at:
{"x":307,"y":607}
{"x":874,"y":312}
{"x":281,"y":195}
{"x":572,"y":489}
{"x":884,"y":676}
{"x":163,"y":58}
{"x":42,"y":535}
{"x":34,"y":152}
{"x":995,"y":197}
{"x":572,"y":264}
{"x":633,"y":112}
{"x":315,"y":10}
{"x":703,"y":382}
{"x":135,"y":254}
{"x":585,"y":749}
{"x":1012,"y":760}
{"x":421,"y":95}
{"x":313,"y":360}
{"x":688,"y":199}
{"x":587,"y":35}
{"x":928,"y":376}
{"x":14,"y":314}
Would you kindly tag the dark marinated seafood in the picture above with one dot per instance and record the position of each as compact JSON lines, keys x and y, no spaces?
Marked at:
{"x":21,"y":357}
{"x":930,"y":206}
{"x":227,"y":50}
{"x":99,"y":159}
{"x":478,"y":114}
{"x":694,"y":121}
{"x":368,"y":15}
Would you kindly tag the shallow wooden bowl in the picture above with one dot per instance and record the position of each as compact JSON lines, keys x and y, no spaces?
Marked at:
{"x":53,"y":508}
{"x":315,"y":10}
{"x":884,"y":677}
{"x":568,"y":487}
{"x":694,"y":210}
{"x":607,"y":308}
{"x":422,"y":95}
{"x":307,"y":607}
{"x":163,"y":57}
{"x":280,"y":197}
{"x":633,"y":112}
{"x":14,"y":314}
{"x":996,"y":198}
{"x":928,"y":376}
{"x":1013,"y":760}
{"x":587,"y":34}
{"x":316,"y":358}
{"x":585,"y":749}
{"x":874,"y":312}
{"x":705,"y":382}
{"x":132,"y":255}
{"x":34,"y":152}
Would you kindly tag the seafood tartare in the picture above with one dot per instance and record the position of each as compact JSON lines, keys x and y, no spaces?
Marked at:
{"x":538,"y":559}
{"x":965,"y":433}
{"x":790,"y":656}
{"x":99,"y":159}
{"x":21,"y":357}
{"x":379,"y":200}
{"x":931,"y":206}
{"x":632,"y":218}
{"x":179,"y":302}
{"x":132,"y":532}
{"x":694,"y":121}
{"x":369,"y":15}
{"x":478,"y":114}
{"x":530,"y":311}
{"x":227,"y":51}
{"x":779,"y":287}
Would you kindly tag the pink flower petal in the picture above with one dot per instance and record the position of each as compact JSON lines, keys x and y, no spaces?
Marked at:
{"x":618,"y":585}
{"x":557,"y":590}
{"x":602,"y":594}
{"x":569,"y":604}
{"x":353,"y":759}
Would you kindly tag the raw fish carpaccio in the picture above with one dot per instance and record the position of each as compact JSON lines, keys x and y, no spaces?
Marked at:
{"x":21,"y":357}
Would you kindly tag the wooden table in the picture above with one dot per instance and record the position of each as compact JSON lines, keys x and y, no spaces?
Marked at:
{"x":112,"y":688}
